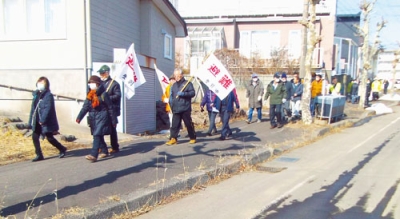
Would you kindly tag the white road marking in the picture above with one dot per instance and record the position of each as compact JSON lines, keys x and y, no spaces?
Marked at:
{"x":372,"y":136}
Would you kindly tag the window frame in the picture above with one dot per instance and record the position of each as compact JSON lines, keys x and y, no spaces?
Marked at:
{"x":23,"y":32}
{"x":168,"y":46}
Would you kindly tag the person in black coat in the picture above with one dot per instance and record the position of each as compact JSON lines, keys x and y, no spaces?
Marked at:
{"x":101,"y":114}
{"x":43,"y":118}
{"x":180,"y":101}
{"x":114,"y":91}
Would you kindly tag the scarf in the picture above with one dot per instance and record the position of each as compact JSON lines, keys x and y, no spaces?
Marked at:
{"x":92,"y":96}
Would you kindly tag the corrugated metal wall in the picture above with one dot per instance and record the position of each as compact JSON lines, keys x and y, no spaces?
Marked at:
{"x":140,"y":110}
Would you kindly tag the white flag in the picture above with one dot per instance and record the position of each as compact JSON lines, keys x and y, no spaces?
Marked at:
{"x":164,"y":81}
{"x":216,"y":77}
{"x":130,"y":72}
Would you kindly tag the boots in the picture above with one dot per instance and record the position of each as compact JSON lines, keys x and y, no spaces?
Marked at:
{"x":38,"y":158}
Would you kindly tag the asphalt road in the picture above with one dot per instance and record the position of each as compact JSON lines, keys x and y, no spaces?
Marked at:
{"x":54,"y":184}
{"x":351,"y":174}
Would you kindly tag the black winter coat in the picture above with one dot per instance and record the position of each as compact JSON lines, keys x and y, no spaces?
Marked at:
{"x":102,"y":117}
{"x":115,"y":94}
{"x":43,"y":111}
{"x":182,"y":103}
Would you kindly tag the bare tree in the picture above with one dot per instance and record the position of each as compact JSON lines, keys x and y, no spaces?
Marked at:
{"x":394,"y":65}
{"x":312,"y":41}
{"x":366,"y":7}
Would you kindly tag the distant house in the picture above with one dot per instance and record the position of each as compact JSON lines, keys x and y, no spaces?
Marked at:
{"x":257,"y":30}
{"x":64,"y":39}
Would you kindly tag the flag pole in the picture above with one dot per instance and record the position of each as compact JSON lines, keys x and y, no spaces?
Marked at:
{"x":183,"y":88}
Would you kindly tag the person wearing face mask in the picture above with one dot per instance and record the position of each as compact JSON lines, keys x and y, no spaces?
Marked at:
{"x":277,"y":93}
{"x":114,"y":92}
{"x":101,"y":114}
{"x":43,"y":119}
{"x":254,"y":93}
{"x":316,"y":90}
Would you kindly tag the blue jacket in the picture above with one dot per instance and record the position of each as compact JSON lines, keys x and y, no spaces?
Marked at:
{"x":182,"y":103}
{"x":229,"y":100}
{"x":297,"y":89}
{"x":289,"y":89}
{"x":208,"y":99}
{"x":43,"y":111}
{"x":102,"y":117}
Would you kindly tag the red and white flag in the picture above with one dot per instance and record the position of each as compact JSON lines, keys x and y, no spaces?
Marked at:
{"x":130,"y":72}
{"x":216,"y":77}
{"x":164,"y":81}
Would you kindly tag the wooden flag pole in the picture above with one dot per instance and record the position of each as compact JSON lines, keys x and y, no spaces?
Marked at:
{"x":183,"y":88}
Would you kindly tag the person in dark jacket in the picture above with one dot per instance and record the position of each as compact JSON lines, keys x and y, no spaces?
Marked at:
{"x":254,"y":93}
{"x":114,"y":92}
{"x":277,"y":93}
{"x":182,"y":93}
{"x":354,"y":92}
{"x":212,"y":113}
{"x":101,"y":113}
{"x":226,"y":108}
{"x":286,"y":112}
{"x":367,"y":92}
{"x":43,"y":118}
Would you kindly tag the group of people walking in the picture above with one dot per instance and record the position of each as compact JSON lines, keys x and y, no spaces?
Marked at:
{"x":284,"y":98}
{"x":102,"y":104}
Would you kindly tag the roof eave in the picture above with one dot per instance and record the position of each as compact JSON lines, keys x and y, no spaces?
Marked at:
{"x":172,"y":14}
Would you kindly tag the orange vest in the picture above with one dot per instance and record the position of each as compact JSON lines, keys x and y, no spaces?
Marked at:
{"x":166,"y":95}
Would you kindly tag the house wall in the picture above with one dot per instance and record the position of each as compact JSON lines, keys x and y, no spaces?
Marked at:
{"x":153,"y":23}
{"x":61,"y":60}
{"x":114,"y":24}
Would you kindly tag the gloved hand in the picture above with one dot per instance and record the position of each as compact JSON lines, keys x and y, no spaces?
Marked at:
{"x":181,"y":94}
{"x":166,"y":100}
{"x":283,"y":100}
{"x":201,"y":109}
{"x":259,"y":98}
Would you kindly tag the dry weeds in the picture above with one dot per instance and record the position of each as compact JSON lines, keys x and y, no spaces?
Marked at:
{"x":16,"y":148}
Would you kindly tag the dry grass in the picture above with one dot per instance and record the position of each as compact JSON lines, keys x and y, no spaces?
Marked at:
{"x":16,"y":148}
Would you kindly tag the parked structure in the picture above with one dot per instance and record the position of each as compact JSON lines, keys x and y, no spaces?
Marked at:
{"x":62,"y":39}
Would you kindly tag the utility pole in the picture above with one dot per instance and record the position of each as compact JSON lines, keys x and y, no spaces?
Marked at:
{"x":304,"y":37}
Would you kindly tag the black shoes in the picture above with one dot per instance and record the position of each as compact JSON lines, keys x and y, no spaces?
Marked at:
{"x":38,"y":158}
{"x":62,"y":153}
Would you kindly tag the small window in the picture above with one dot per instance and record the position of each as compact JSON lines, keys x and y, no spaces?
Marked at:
{"x":167,"y":46}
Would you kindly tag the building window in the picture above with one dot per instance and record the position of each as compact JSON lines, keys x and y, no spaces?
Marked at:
{"x":259,"y":43}
{"x":32,"y":19}
{"x":167,"y":46}
{"x":294,"y":45}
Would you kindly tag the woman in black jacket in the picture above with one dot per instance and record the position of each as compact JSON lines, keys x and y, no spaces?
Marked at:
{"x":101,"y":114}
{"x":43,"y":118}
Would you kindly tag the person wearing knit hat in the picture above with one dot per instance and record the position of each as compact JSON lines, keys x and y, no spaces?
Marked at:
{"x":100,"y":109}
{"x":254,"y":93}
{"x":114,"y":91}
{"x":277,"y":93}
